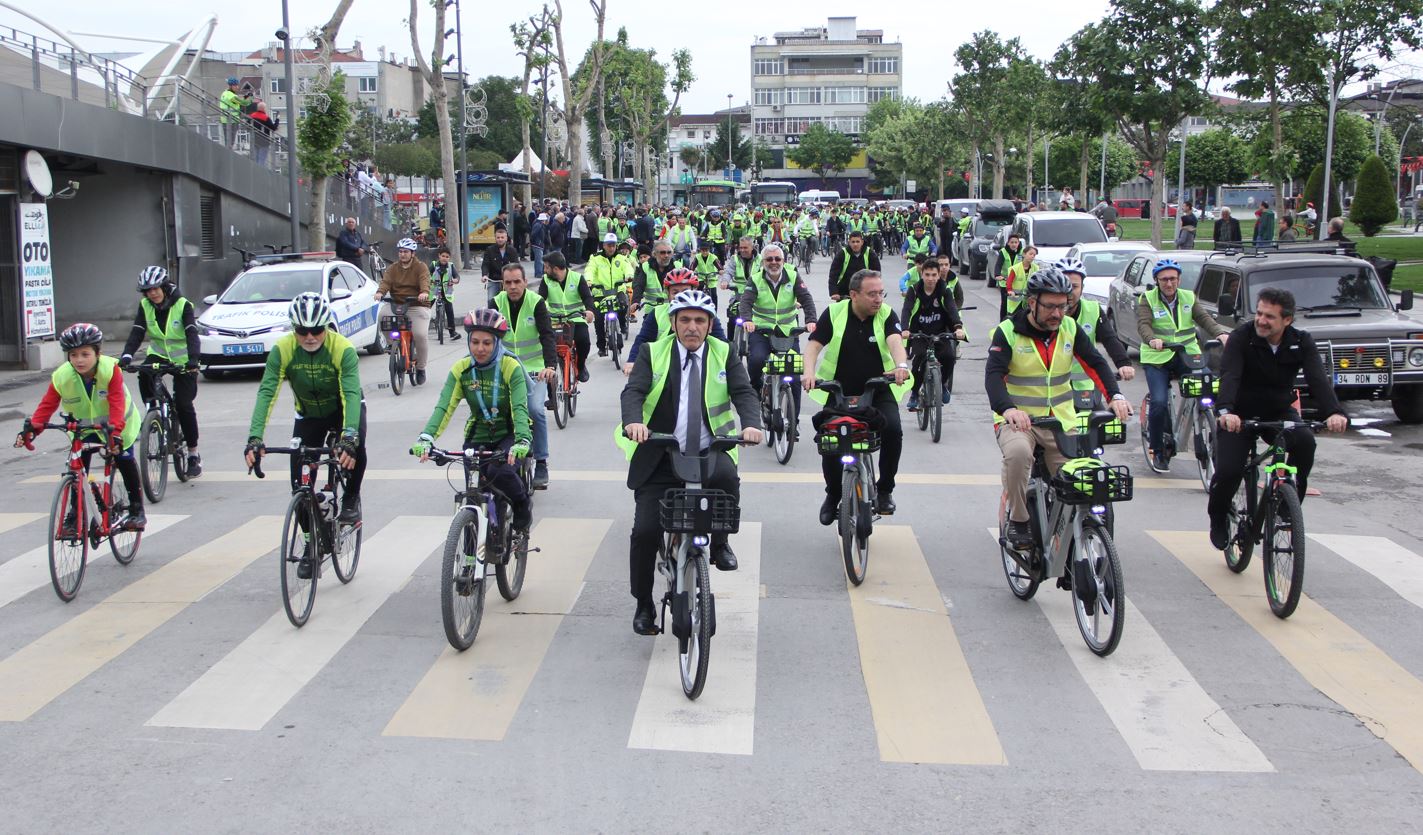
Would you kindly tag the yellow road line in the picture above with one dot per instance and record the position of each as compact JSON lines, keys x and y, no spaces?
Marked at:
{"x":1333,"y":657}
{"x":926,"y":706}
{"x":46,"y":668}
{"x":475,"y":694}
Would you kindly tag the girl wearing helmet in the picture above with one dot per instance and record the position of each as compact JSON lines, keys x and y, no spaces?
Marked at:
{"x":493,"y":384}
{"x":322,"y":368}
{"x":658,"y":322}
{"x":407,"y":282}
{"x":90,"y":388}
{"x":166,"y":318}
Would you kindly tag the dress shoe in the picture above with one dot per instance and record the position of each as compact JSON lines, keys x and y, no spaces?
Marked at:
{"x":723,"y":558}
{"x":644,"y":620}
{"x":419,"y":376}
{"x":829,"y":510}
{"x":884,"y":503}
{"x":583,"y":375}
{"x":1220,"y":531}
{"x":540,"y":475}
{"x":1020,"y":535}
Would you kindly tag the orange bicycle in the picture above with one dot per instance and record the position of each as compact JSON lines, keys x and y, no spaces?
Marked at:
{"x":563,"y":390}
{"x":396,"y":328}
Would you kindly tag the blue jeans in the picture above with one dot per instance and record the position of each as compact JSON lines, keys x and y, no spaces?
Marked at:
{"x":538,"y":261}
{"x":1158,"y":381}
{"x":758,"y":349}
{"x":538,"y":415}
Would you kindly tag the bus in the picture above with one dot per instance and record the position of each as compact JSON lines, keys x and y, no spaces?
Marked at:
{"x":780,"y":193}
{"x":713,"y":193}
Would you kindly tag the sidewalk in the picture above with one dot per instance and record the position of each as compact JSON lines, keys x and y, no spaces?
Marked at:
{"x":19,"y":378}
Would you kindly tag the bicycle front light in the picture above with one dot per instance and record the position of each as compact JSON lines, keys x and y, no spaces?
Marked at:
{"x":395,"y":334}
{"x":1207,"y":402}
{"x":847,"y":459}
{"x":1098,"y":509}
{"x":700,"y":540}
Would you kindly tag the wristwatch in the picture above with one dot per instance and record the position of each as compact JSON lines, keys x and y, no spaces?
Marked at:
{"x":903,"y":365}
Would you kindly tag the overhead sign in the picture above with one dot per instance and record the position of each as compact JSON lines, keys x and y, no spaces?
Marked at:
{"x":37,"y":273}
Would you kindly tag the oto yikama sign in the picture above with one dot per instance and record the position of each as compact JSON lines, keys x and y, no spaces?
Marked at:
{"x":36,"y":271}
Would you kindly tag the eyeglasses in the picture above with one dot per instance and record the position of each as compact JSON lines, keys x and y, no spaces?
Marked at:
{"x":772,"y":260}
{"x":1052,"y":308}
{"x":300,"y":331}
{"x":873,"y":294}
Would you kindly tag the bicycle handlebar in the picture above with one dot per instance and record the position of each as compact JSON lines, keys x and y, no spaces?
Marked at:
{"x":319,"y":452}
{"x":935,"y":337}
{"x":444,"y":457}
{"x":1285,"y":425}
{"x":74,"y":425}
{"x":157,"y":367}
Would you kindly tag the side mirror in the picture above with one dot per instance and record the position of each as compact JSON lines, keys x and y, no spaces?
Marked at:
{"x":1405,"y":300}
{"x":340,"y":295}
{"x":1226,"y":305}
{"x":210,"y":300}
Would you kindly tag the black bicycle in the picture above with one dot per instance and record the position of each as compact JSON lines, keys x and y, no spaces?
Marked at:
{"x":311,"y":532}
{"x":736,"y":336}
{"x":931,"y":383}
{"x":853,"y":441}
{"x":161,"y":439}
{"x":440,"y":319}
{"x":1274,"y":520}
{"x":610,"y":308}
{"x":779,"y":378}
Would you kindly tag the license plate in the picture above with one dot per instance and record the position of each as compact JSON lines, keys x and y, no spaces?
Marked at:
{"x":243,"y":348}
{"x":1371,"y":379}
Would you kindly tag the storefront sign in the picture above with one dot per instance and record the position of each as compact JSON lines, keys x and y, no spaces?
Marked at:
{"x":36,"y":270}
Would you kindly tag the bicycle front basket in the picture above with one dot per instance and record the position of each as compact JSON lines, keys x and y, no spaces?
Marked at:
{"x":846,"y":435}
{"x":1089,"y":481}
{"x":782,"y":365}
{"x":1207,"y":385}
{"x":699,"y":511}
{"x":390,"y":324}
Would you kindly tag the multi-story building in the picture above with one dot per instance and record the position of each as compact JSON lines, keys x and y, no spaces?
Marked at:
{"x":697,"y":130}
{"x":826,"y":75}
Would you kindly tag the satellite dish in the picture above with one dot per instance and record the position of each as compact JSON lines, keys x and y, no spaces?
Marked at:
{"x":37,"y":172}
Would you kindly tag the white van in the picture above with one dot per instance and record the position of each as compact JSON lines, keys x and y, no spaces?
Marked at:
{"x":817,"y":197}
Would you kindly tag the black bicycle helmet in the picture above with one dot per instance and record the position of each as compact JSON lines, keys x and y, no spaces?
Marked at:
{"x":1049,"y":279}
{"x":80,"y":334}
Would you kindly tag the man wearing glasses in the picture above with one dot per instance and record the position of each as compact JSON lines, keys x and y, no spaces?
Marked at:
{"x":855,"y":340}
{"x":771,"y":297}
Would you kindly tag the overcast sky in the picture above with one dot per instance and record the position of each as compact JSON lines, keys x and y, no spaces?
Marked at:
{"x":719,"y":33}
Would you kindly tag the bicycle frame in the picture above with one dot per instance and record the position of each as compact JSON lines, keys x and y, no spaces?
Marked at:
{"x":1278,"y":471}
{"x":98,"y":499}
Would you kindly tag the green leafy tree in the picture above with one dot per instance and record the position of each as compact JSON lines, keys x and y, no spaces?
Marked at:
{"x":634,"y":104}
{"x":984,"y":93}
{"x":1149,"y":56}
{"x":432,"y":71}
{"x":1314,"y":189}
{"x":532,"y":39}
{"x":694,"y":157}
{"x":1213,"y":158}
{"x":1073,"y":105}
{"x":319,"y":135}
{"x":420,"y":158}
{"x":1304,"y":137}
{"x":916,"y":143}
{"x":1066,"y":153}
{"x":742,"y":152}
{"x":823,"y":151}
{"x":1375,"y":204}
{"x":577,"y":96}
{"x":370,"y":131}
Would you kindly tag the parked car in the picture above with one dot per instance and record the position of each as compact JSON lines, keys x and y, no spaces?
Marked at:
{"x":1137,"y":207}
{"x":974,"y":252}
{"x":1371,"y":349}
{"x":1104,"y":262}
{"x":1135,"y":280}
{"x":239,"y":327}
{"x":1054,"y":233}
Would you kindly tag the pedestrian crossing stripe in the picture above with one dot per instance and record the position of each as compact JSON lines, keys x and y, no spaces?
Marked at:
{"x":1393,"y":565}
{"x":261,"y":675}
{"x":1331,"y":656}
{"x":10,"y":521}
{"x":30,"y":570}
{"x":46,"y":668}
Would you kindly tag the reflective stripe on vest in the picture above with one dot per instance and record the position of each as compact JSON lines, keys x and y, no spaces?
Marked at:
{"x":1038,"y":389}
{"x":715,"y":393}
{"x":92,"y":405}
{"x":565,"y":303}
{"x":170,"y":342}
{"x":1089,"y":314}
{"x":1178,"y":331}
{"x":830,"y":355}
{"x":774,"y":308}
{"x":522,"y":339}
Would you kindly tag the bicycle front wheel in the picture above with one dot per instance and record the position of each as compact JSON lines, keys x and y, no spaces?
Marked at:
{"x":615,"y":343}
{"x":1144,"y":422}
{"x":695,"y":651}
{"x":854,"y":549}
{"x":178,"y":447}
{"x":559,"y":395}
{"x":1204,"y":432}
{"x":1283,"y":551}
{"x":785,"y":438}
{"x":122,"y":543}
{"x":153,"y":447}
{"x":439,"y":321}
{"x":68,"y":538}
{"x":397,"y":371}
{"x":462,"y":580}
{"x":921,"y":416}
{"x":300,"y":554}
{"x":935,"y":405}
{"x":1098,"y":596}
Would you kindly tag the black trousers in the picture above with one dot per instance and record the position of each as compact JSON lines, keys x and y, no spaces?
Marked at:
{"x":313,"y":430}
{"x":127,"y":465}
{"x":891,"y":445}
{"x":647,"y":523}
{"x":505,"y":479}
{"x":601,"y":326}
{"x":581,"y":343}
{"x":918,"y":356}
{"x":1233,"y":449}
{"x":185,"y":391}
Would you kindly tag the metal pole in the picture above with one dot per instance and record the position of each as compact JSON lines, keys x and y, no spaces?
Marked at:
{"x":291,"y":132}
{"x":1328,"y":156}
{"x":543,"y":164}
{"x":464,"y":146}
{"x":1398,"y":187}
{"x":1047,"y":151}
{"x":729,"y":128}
{"x":1102,"y":183}
{"x":1181,"y":181}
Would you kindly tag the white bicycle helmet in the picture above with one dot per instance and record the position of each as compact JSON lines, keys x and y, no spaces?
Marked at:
{"x":309,"y":310}
{"x":692,"y":300}
{"x":152,"y":278}
{"x":407,"y":243}
{"x":1072,"y":265}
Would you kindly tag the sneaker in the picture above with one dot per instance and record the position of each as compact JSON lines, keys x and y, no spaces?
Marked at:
{"x":419,"y":376}
{"x":913,"y":404}
{"x":195,"y":465}
{"x":350,"y":510}
{"x":884,"y":503}
{"x":948,"y":395}
{"x":1160,"y":462}
{"x":829,"y":510}
{"x":541,"y":475}
{"x":135,"y":520}
{"x":303,"y":566}
{"x":1020,"y":535}
{"x":1220,"y":531}
{"x":602,"y":352}
{"x":69,"y":528}
{"x":583,"y":375}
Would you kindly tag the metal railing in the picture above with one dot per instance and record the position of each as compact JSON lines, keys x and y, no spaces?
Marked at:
{"x":59,"y":69}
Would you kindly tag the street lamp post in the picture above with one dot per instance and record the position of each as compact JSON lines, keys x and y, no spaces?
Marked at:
{"x":730,"y":126}
{"x":1047,"y":151}
{"x":1378,"y":121}
{"x":1180,"y":182}
{"x":291,"y":128}
{"x":464,"y":143}
{"x":1398,"y":187}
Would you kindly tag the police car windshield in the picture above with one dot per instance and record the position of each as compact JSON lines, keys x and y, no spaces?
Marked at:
{"x":256,"y":286}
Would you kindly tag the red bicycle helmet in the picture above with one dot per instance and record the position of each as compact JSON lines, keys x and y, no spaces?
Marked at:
{"x":486,"y":319}
{"x":680,"y":278}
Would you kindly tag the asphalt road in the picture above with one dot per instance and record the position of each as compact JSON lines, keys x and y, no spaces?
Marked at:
{"x":172,"y":695}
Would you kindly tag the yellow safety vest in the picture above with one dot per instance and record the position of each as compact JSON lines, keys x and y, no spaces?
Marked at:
{"x":715,"y":393}
{"x":774,"y":308}
{"x":1089,"y":315}
{"x":1038,"y":389}
{"x":1178,"y":331}
{"x":168,"y":343}
{"x":92,"y":404}
{"x":522,"y":338}
{"x":830,"y":356}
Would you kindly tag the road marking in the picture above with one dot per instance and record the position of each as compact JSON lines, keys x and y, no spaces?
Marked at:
{"x":1330,"y":655}
{"x":30,"y":570}
{"x":475,"y":694}
{"x":723,"y":719}
{"x":1165,"y":717}
{"x":10,"y":521}
{"x":46,"y":668}
{"x":1395,"y":566}
{"x":926,"y":706}
{"x":261,"y":675}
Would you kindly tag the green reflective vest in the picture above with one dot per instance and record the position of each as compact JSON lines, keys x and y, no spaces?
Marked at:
{"x":715,"y":394}
{"x":1089,"y":315}
{"x":1042,"y":390}
{"x":1178,"y":331}
{"x":92,"y":403}
{"x":1008,"y":259}
{"x":442,"y":277}
{"x":682,"y":238}
{"x":830,"y":355}
{"x":1018,"y":284}
{"x":565,"y":303}
{"x":522,"y":338}
{"x":716,"y":232}
{"x":168,"y":343}
{"x":604,"y":275}
{"x":774,"y":308}
{"x":740,"y":275}
{"x":705,"y":268}
{"x":918,"y":245}
{"x":653,"y":292}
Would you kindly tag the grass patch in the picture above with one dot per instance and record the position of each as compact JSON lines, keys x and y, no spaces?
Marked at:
{"x":1408,"y":278}
{"x":1402,"y":248}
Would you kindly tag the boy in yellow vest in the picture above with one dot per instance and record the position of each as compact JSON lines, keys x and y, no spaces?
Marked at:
{"x":166,"y":318}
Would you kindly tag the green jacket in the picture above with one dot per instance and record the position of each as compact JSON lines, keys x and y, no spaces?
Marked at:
{"x":325,"y":383}
{"x":505,"y":408}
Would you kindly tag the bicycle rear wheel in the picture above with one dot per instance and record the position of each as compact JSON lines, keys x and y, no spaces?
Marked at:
{"x":1204,"y":441}
{"x":122,"y":543}
{"x":1242,"y":540}
{"x":300,"y":548}
{"x":510,"y":572}
{"x":462,"y":585}
{"x":397,"y":371}
{"x":153,"y":447}
{"x":854,"y":549}
{"x":935,"y":404}
{"x":785,"y":439}
{"x":615,"y":343}
{"x":1283,"y":550}
{"x":695,"y":651}
{"x":347,"y":553}
{"x":177,"y":444}
{"x":921,"y":416}
{"x":439,"y":321}
{"x":1023,"y":583}
{"x":1097,"y":577}
{"x":68,"y":543}
{"x":559,"y":396}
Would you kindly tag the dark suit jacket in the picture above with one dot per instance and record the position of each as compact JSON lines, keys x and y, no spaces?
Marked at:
{"x":1226,"y":230}
{"x":664,"y":415}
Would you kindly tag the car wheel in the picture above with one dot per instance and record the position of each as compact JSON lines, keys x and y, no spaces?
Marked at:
{"x":1408,"y":403}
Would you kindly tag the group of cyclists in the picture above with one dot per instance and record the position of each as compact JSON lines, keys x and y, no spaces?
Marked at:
{"x":1044,"y":359}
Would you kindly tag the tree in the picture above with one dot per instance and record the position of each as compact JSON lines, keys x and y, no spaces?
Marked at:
{"x":1149,"y":55}
{"x":916,"y":142}
{"x":1213,"y":158}
{"x":433,"y":71}
{"x":694,"y":157}
{"x":1375,"y":203}
{"x":420,"y":158}
{"x":823,"y":151}
{"x":323,"y":129}
{"x":1066,"y":152}
{"x":577,"y":98}
{"x":984,"y":94}
{"x":741,"y":150}
{"x":531,"y":42}
{"x":1074,"y":107}
{"x":1314,"y":190}
{"x":1303,"y":129}
{"x":370,"y":131}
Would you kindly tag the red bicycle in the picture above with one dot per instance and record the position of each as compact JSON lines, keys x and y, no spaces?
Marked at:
{"x":563,"y":389}
{"x":79,"y":518}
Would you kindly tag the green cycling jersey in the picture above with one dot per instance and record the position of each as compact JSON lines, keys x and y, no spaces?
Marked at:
{"x":498,"y":403}
{"x":325,"y":382}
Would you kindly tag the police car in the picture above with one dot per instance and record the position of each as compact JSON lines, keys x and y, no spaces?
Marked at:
{"x":241,"y":325}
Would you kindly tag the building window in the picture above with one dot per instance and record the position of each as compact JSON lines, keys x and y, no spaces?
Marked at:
{"x":844,"y":95}
{"x":800,"y":124}
{"x":770,"y":127}
{"x":691,"y":134}
{"x":845,"y":124}
{"x":769,"y":96}
{"x":877,"y":93}
{"x":768,"y":66}
{"x":884,"y":66}
{"x":277,"y":85}
{"x":802,"y":95}
{"x":1199,"y":121}
{"x":366,"y":84}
